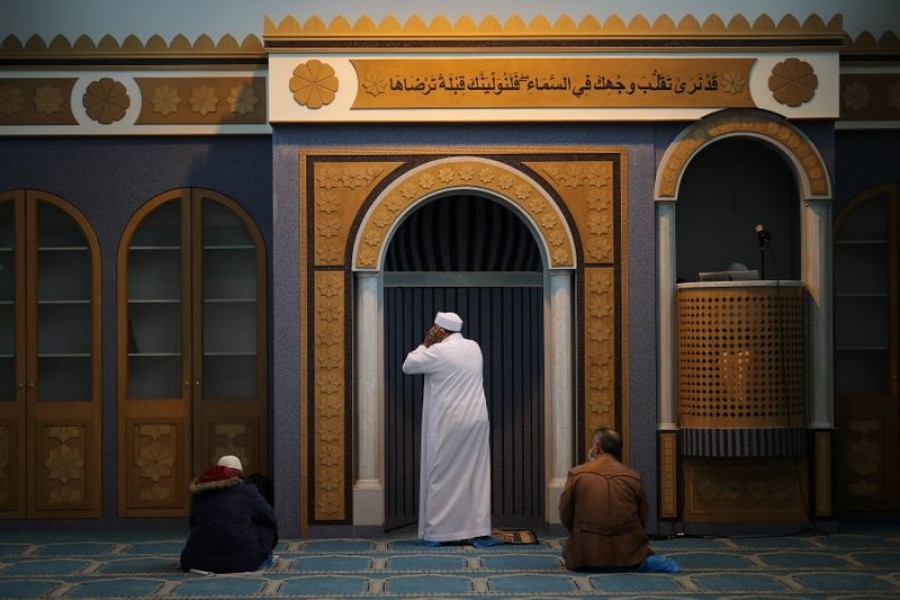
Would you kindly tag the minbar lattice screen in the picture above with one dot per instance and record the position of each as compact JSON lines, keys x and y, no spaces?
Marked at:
{"x":741,"y":357}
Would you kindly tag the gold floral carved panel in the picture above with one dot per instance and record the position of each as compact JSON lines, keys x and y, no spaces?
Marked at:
{"x":38,"y":101}
{"x":340,"y":190}
{"x":586,"y":187}
{"x":155,"y":477}
{"x":328,"y":402}
{"x":202,"y":100}
{"x":599,"y":349}
{"x":63,"y":451}
{"x":668,"y":475}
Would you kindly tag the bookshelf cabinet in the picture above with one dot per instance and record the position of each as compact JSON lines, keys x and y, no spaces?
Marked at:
{"x":192,"y":368}
{"x":866,"y":353}
{"x":50,"y":417}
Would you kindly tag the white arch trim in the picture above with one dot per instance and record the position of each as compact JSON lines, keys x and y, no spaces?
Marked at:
{"x":815,"y":249}
{"x":464,"y":174}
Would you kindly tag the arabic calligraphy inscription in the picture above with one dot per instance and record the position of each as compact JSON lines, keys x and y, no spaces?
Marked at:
{"x":553,"y":83}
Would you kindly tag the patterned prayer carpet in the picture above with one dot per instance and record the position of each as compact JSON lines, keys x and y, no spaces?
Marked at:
{"x":858,"y":563}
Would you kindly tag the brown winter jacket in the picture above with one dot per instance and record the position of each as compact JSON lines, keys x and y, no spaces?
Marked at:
{"x":605,"y":510}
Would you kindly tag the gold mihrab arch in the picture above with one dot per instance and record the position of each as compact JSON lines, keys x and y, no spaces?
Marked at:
{"x":804,"y":155}
{"x":471,"y":173}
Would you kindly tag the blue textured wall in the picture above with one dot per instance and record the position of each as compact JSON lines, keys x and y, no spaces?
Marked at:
{"x":865,"y":159}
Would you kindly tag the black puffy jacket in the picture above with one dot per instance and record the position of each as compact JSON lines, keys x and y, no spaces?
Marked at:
{"x":233,"y":529}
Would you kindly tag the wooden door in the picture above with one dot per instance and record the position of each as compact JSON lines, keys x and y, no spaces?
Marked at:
{"x":192,"y":360}
{"x":50,"y":418}
{"x":866,"y":353}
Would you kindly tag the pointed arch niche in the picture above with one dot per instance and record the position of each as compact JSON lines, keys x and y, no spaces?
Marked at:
{"x":814,"y":192}
{"x":573,"y":201}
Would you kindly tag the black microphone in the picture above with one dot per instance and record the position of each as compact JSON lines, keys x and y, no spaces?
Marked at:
{"x":762,"y":236}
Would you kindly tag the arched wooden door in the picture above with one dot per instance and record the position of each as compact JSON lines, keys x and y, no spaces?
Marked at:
{"x":867,"y":350}
{"x":473,"y":256}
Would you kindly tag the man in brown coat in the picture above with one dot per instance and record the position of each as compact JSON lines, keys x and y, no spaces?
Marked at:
{"x":605,"y":510}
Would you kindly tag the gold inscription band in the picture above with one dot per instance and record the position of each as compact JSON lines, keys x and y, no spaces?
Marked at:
{"x":553,"y":83}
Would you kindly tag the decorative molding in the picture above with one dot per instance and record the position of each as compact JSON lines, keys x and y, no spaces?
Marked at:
{"x":314,"y":84}
{"x":340,"y":190}
{"x":37,"y":101}
{"x":198,"y":100}
{"x":668,"y":474}
{"x":155,"y":451}
{"x":793,"y":82}
{"x":464,"y":172}
{"x":866,"y":44}
{"x":64,"y":465}
{"x":800,"y":150}
{"x":743,"y":490}
{"x":131,"y":47}
{"x":328,"y":402}
{"x":599,"y":349}
{"x":564,"y":27}
{"x":586,"y":188}
{"x":870,"y":96}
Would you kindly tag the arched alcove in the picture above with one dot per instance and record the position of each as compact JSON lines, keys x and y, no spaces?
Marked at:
{"x":811,"y":192}
{"x":731,"y":186}
{"x":506,"y":204}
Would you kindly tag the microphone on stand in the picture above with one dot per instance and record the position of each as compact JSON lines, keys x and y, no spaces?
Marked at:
{"x":762,"y":236}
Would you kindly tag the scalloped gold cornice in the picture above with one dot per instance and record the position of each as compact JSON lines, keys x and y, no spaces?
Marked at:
{"x":866,"y":43}
{"x":155,"y":46}
{"x":440,"y":28}
{"x":564,"y":27}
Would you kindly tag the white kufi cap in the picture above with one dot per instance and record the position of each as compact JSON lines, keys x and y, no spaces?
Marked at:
{"x":231,"y":461}
{"x":448,"y":320}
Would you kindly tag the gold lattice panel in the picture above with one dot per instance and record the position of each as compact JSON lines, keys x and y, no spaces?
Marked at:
{"x":741,"y":357}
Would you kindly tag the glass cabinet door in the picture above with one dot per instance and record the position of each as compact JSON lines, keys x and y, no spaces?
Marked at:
{"x":866,"y":353}
{"x":155,"y":304}
{"x":50,"y":418}
{"x":229,"y":305}
{"x":64,"y":311}
{"x":861,"y":285}
{"x":8,"y":376}
{"x":191,"y":334}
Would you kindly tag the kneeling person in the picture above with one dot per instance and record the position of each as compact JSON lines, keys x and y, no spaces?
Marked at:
{"x":605,"y":509}
{"x":233,"y":528}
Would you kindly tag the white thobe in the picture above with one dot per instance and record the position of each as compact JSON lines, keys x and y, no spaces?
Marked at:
{"x":455,"y":481}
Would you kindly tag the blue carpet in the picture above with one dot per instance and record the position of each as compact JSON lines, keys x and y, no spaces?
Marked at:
{"x":860,"y":564}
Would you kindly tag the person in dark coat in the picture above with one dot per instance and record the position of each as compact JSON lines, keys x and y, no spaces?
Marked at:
{"x":233,"y":528}
{"x":605,"y":510}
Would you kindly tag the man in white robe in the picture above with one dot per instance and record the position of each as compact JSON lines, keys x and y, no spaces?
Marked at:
{"x":455,"y":483}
